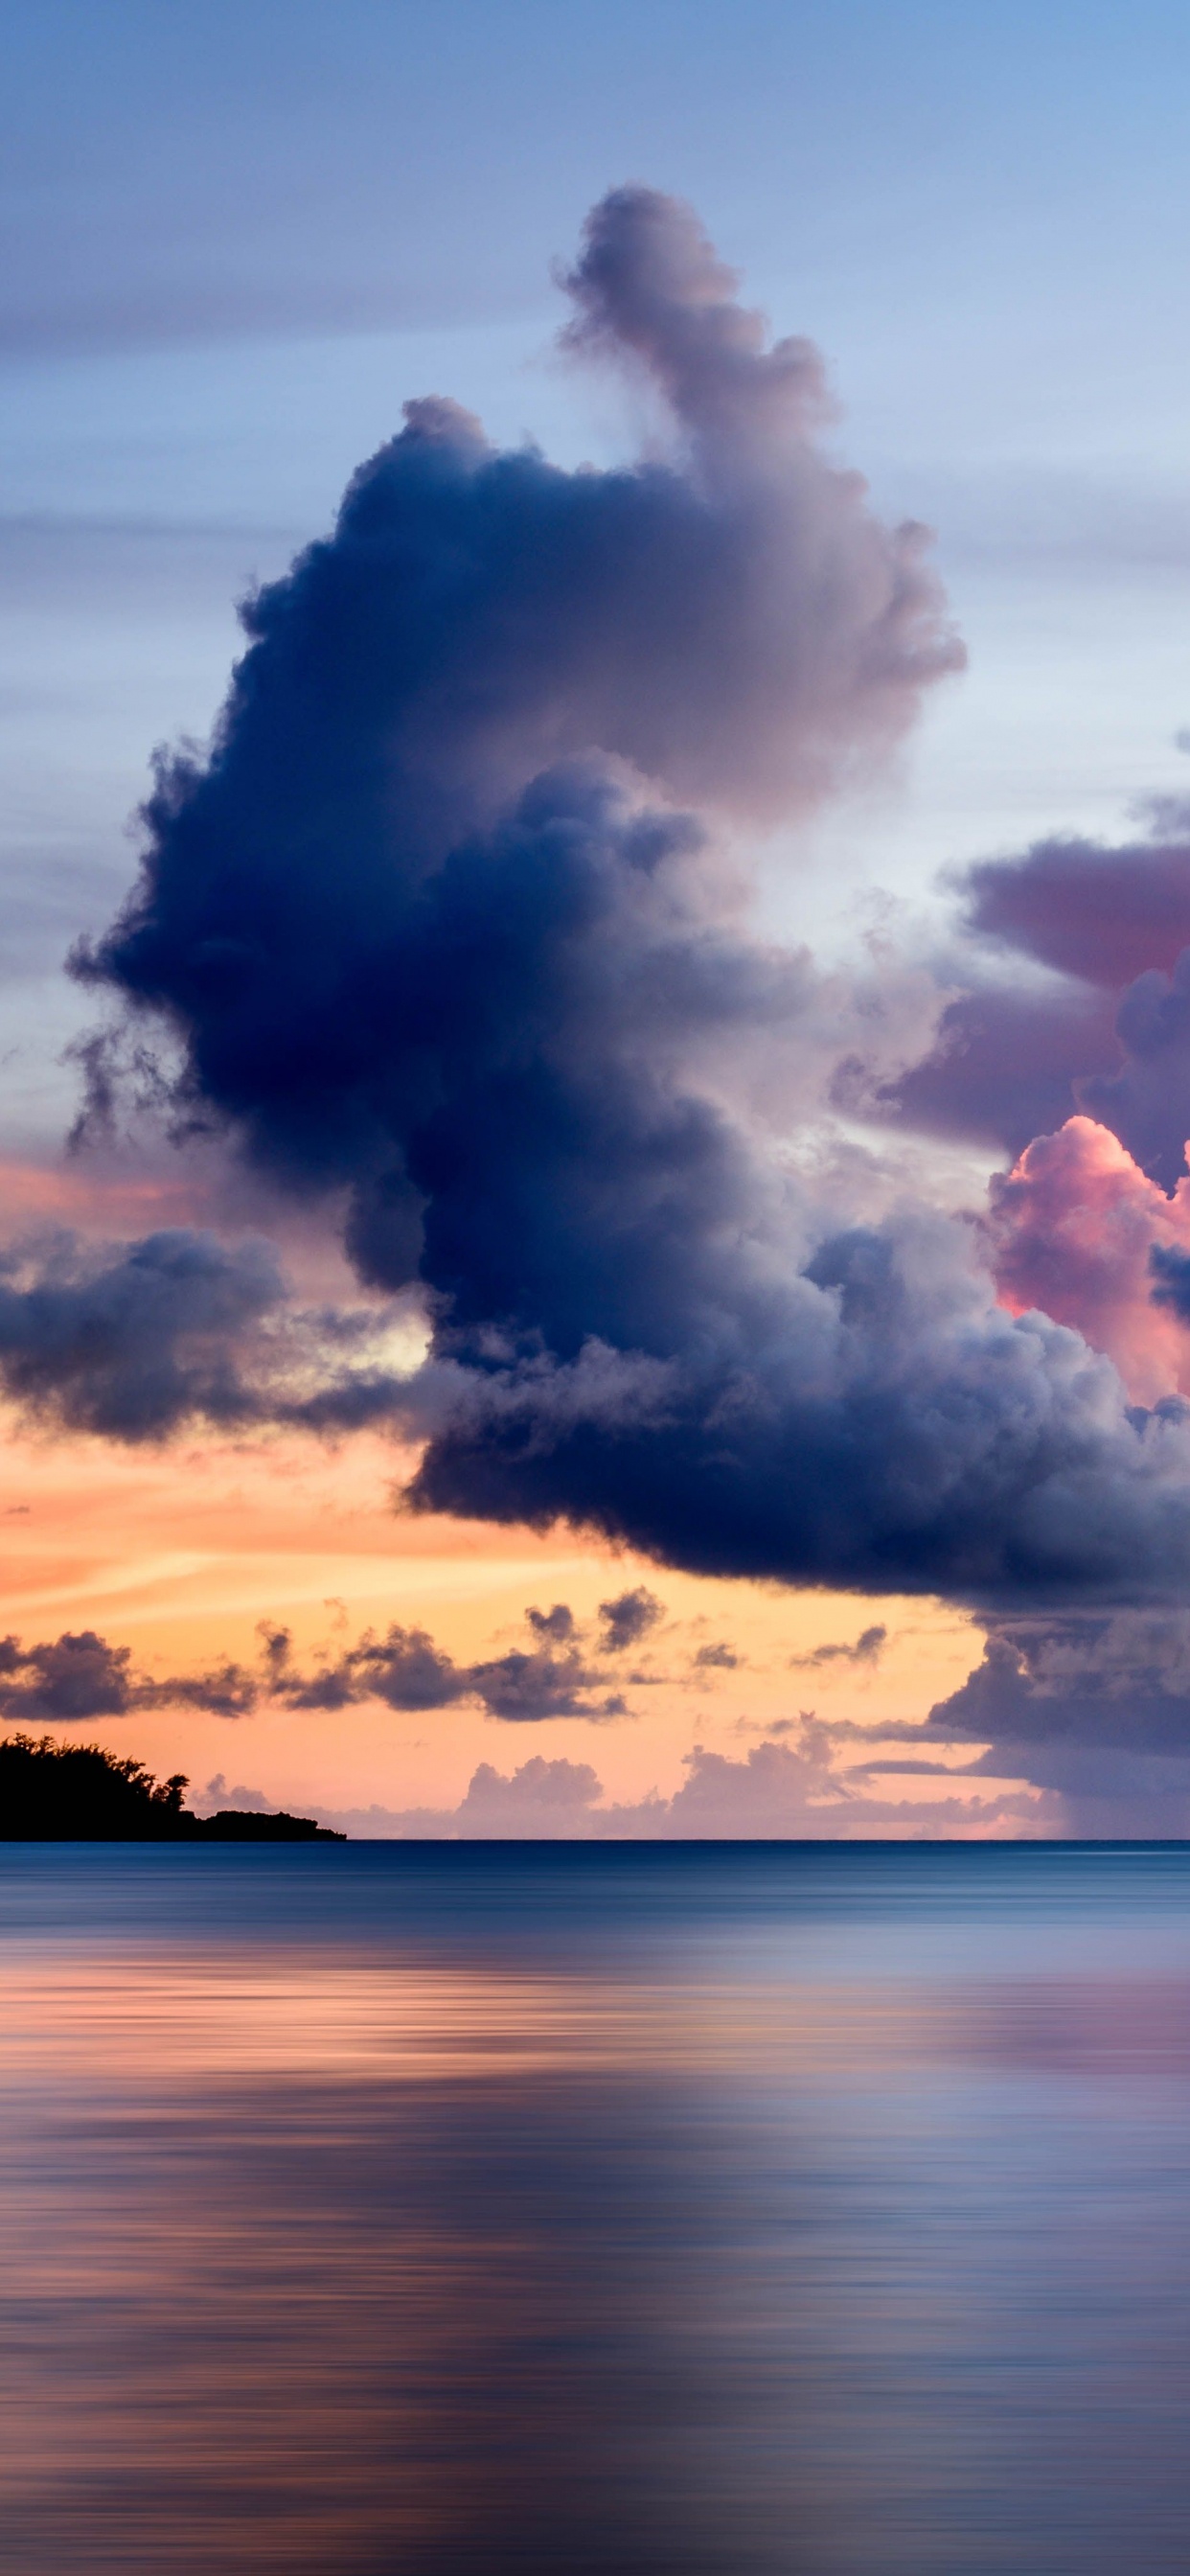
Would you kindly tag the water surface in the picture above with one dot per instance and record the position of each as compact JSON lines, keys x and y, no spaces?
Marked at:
{"x":687,"y":2211}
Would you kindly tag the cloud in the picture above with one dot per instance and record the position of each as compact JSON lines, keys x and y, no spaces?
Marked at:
{"x":733,"y":624}
{"x":242,"y":1800}
{"x":1119,"y":1680}
{"x":522,"y":1688}
{"x":404,"y":1668}
{"x":873,"y":1419}
{"x":429,"y":931}
{"x":1079,"y":1231}
{"x":553,"y":1677}
{"x":83,"y":1676}
{"x":866,"y":1649}
{"x":628,"y":1618}
{"x":132,"y":1340}
{"x":1004,"y":1065}
{"x":777,"y":1792}
{"x":1092,"y":1709}
{"x":1169,"y":1271}
{"x":557,"y":1624}
{"x":1148,"y":1101}
{"x":1101,"y":1021}
{"x":1102,"y":913}
{"x":79,"y":1675}
{"x":718,"y":1657}
{"x":542,"y":1799}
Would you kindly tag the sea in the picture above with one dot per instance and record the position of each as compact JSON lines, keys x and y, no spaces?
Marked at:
{"x":557,"y":2210}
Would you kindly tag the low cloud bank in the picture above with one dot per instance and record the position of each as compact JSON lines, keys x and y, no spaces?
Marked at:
{"x":777,"y":1792}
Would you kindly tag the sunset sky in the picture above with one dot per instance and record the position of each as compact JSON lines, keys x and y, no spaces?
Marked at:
{"x":593,"y":1196}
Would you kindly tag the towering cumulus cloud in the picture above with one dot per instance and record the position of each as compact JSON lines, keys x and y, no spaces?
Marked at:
{"x":449,"y":921}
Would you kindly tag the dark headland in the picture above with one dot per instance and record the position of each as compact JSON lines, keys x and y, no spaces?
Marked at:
{"x":60,"y":1793}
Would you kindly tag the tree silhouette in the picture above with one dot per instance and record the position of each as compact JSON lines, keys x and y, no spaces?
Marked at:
{"x":52,"y":1792}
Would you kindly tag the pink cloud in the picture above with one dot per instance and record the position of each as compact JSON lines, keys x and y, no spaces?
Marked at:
{"x":1073,"y":1226}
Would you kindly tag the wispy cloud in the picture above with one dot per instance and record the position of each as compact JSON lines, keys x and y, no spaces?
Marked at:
{"x":867,"y":1648}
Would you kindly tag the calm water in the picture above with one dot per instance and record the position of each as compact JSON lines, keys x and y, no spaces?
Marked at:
{"x":722,"y":2212}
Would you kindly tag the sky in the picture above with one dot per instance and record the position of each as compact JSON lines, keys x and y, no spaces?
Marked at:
{"x":594,"y":1229}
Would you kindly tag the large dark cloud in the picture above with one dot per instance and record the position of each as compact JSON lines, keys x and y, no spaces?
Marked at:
{"x":734,"y":624}
{"x":427,"y":928}
{"x":874,"y":1419}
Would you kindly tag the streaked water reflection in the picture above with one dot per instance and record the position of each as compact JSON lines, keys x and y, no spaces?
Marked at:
{"x":715,"y":2212}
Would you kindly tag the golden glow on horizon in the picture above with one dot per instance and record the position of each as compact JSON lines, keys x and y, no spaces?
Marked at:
{"x":180,"y":1553}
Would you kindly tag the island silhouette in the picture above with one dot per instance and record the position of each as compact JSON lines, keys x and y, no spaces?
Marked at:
{"x":51,"y":1792}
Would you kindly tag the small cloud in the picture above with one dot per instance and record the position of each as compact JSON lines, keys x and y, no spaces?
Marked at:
{"x":404,"y":1668}
{"x":721,"y":1657}
{"x":74,"y":1676}
{"x":522,"y":1688}
{"x":557,"y":1624}
{"x":239,"y":1799}
{"x":867,"y":1648}
{"x":628,"y":1618}
{"x":932,"y":1770}
{"x":781,"y":1726}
